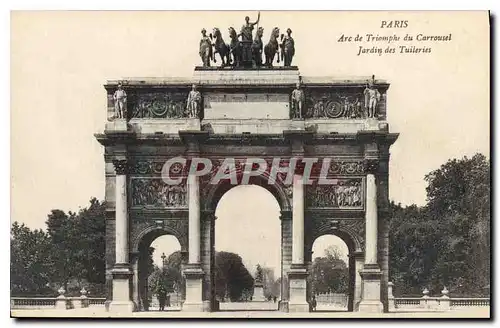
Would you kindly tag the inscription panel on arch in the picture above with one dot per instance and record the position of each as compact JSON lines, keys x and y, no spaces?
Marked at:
{"x":343,"y":193}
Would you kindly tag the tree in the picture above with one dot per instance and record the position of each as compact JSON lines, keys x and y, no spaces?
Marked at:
{"x":446,"y":242}
{"x":232,"y":277}
{"x":31,"y":261}
{"x":79,"y":244}
{"x":329,"y":274}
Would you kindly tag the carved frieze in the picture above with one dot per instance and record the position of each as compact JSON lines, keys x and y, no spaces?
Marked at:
{"x":340,"y":104}
{"x":340,"y":167}
{"x":154,"y":167}
{"x":154,"y":192}
{"x":344,"y":194}
{"x":159,"y":105}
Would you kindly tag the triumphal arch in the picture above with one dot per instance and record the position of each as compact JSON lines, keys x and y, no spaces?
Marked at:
{"x":174,"y":146}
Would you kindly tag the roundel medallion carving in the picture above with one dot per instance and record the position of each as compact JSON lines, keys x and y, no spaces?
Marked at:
{"x":333,"y":109}
{"x":159,"y":107}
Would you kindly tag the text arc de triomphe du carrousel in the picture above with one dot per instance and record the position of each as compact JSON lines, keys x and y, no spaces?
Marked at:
{"x":247,"y":108}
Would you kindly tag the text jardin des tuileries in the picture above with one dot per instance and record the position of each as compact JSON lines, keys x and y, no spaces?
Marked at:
{"x":394,"y":43}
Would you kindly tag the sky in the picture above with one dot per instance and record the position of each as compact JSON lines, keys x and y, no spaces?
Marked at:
{"x":438,"y":102}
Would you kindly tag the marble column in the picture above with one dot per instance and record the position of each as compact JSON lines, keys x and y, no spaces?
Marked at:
{"x":135,"y":281}
{"x":193,"y":271}
{"x":358,"y":283}
{"x":194,"y":218}
{"x":121,"y":302}
{"x":286,"y":258}
{"x":208,"y":260}
{"x":371,"y":273}
{"x":297,"y":275}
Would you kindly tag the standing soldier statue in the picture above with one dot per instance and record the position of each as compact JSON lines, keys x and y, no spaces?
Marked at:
{"x":298,"y":99}
{"x":193,"y":102}
{"x":205,"y":48}
{"x":287,"y":48}
{"x":120,"y":98}
{"x":372,"y":97}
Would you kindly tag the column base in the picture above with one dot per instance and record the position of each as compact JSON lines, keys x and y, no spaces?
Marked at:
{"x":193,"y":307}
{"x":298,"y":307}
{"x":283,"y":306}
{"x":298,"y":288}
{"x":121,"y":302}
{"x":117,"y":307}
{"x":194,"y":288}
{"x":370,"y":298}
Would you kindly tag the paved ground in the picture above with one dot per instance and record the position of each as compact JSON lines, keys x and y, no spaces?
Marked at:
{"x":99,"y":312}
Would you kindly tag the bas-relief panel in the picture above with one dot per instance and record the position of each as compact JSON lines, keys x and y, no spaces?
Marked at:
{"x":155,"y":193}
{"x":341,"y":104}
{"x":158,"y":104}
{"x":342,"y":194}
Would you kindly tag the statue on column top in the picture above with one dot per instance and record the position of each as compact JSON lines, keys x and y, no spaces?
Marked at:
{"x":120,"y":98}
{"x":193,"y":102}
{"x":372,"y":97}
{"x":298,"y":99}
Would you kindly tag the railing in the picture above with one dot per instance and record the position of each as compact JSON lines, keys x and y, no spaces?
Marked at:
{"x":32,"y":303}
{"x":407,"y":302}
{"x":469,"y":302}
{"x":442,"y":303}
{"x":35,"y":303}
{"x":96,"y":301}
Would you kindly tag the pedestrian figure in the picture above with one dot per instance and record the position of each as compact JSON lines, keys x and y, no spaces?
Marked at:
{"x":162,"y":297}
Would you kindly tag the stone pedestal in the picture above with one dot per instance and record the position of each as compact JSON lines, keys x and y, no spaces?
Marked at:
{"x":390,"y":296}
{"x":370,"y":301}
{"x":246,"y":54}
{"x":258,"y":292}
{"x":297,"y":124}
{"x":117,"y":125}
{"x":121,"y":302}
{"x":194,"y":286}
{"x":371,"y":124}
{"x":298,"y":289}
{"x":61,"y":302}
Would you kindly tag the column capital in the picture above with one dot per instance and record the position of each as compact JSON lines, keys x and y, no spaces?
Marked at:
{"x":208,"y":216}
{"x":192,"y":140}
{"x":121,"y":166}
{"x":286,"y":216}
{"x":297,"y":139}
{"x":371,"y":165}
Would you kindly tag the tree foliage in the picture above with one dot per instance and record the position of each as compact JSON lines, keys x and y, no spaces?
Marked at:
{"x":31,"y":263}
{"x":232,"y":278}
{"x":329,"y":274}
{"x":72,"y":250}
{"x":446,"y":242}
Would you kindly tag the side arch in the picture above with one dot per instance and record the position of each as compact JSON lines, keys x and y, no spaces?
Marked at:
{"x":351,"y":231}
{"x":146,"y":233}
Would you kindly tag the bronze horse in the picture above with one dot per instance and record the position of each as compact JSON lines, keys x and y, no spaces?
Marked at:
{"x":271,"y":48}
{"x":235,"y":47}
{"x":221,"y":48}
{"x":257,"y":46}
